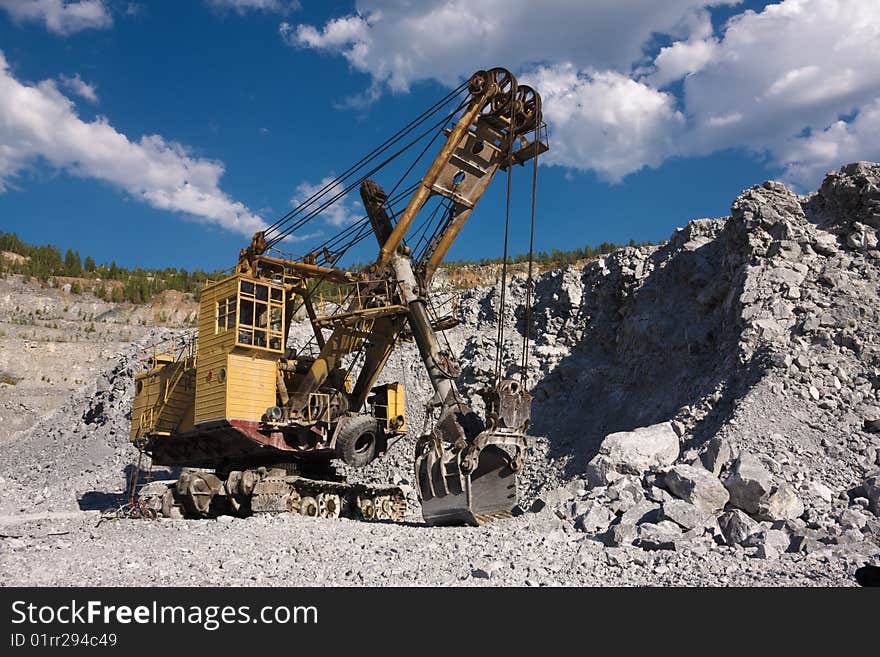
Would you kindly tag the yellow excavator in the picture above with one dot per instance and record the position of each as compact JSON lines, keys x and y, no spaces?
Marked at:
{"x":255,"y":421}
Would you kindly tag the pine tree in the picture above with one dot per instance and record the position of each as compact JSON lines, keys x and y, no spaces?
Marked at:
{"x":72,"y":263}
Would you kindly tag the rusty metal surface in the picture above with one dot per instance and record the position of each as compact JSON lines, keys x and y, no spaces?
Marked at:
{"x":232,"y":440}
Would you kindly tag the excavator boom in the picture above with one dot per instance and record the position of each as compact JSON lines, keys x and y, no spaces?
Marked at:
{"x":465,"y":469}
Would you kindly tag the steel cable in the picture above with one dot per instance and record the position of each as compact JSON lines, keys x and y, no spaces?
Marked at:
{"x":371,"y":155}
{"x":302,"y":221}
{"x":527,"y":329}
{"x":278,"y":230}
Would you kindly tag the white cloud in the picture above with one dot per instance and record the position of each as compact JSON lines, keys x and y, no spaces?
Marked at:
{"x":768,"y":77}
{"x":244,"y":6}
{"x":809,"y":157}
{"x":38,"y":123}
{"x":76,"y":85}
{"x":680,"y":59}
{"x":796,"y":67}
{"x":605,"y":121}
{"x":724,"y":119}
{"x":579,"y":55}
{"x":818,"y":58}
{"x":398,"y":42}
{"x":344,"y":32}
{"x":61,"y":16}
{"x":343,"y":212}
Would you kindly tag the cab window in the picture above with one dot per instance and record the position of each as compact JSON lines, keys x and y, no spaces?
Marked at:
{"x":260,"y":316}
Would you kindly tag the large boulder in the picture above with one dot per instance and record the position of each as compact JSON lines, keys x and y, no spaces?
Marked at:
{"x":697,"y":486}
{"x":749,"y":483}
{"x":621,"y":534}
{"x":574,"y":509}
{"x":658,"y":536}
{"x":643,"y":511}
{"x":595,"y":519}
{"x":780,"y":504}
{"x":807,"y":540}
{"x":625,"y":493}
{"x":600,"y":471}
{"x":872,"y":491}
{"x":770,"y":543}
{"x":736,"y":526}
{"x":819,"y":492}
{"x":637,"y":451}
{"x":852,"y":518}
{"x":716,"y":454}
{"x":552,"y":499}
{"x":684,"y":514}
{"x":625,"y":529}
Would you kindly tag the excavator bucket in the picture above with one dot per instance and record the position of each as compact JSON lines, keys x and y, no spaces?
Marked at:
{"x":451,"y":496}
{"x":476,"y":483}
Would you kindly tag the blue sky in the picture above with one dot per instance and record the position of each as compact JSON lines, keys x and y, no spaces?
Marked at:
{"x":159,"y":134}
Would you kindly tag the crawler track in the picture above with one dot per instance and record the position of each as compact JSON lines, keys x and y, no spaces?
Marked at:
{"x":272,"y":490}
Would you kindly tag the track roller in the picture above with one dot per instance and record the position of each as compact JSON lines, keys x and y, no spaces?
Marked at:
{"x":367,"y":508}
{"x":172,"y":505}
{"x":308,"y":506}
{"x":329,"y":505}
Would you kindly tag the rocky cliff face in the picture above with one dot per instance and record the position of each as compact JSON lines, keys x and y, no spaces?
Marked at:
{"x":753,"y":337}
{"x":760,"y":323}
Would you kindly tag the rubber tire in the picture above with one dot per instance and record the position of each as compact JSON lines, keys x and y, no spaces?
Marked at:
{"x":348,"y":443}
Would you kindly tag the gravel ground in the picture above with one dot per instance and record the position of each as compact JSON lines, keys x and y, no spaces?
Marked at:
{"x":294,"y":551}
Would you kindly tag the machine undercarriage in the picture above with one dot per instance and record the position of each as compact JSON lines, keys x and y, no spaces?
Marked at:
{"x":200,"y":494}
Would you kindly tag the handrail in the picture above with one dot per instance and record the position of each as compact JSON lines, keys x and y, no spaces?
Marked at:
{"x":177,"y":348}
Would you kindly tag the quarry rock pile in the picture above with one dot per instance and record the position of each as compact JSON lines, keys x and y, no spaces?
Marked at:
{"x":756,"y":337}
{"x":80,"y":455}
{"x":705,"y":404}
